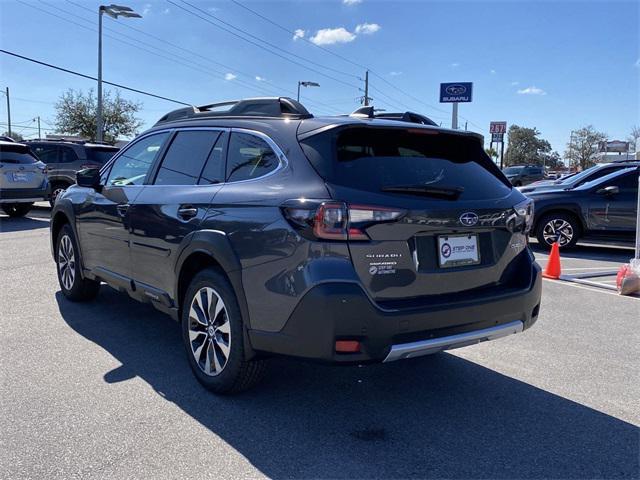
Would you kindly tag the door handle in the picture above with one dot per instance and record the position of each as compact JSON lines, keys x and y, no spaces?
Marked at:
{"x":187,"y":211}
{"x":122,"y":209}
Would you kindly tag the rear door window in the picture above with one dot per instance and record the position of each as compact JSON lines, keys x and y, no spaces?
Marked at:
{"x":249,"y":157}
{"x":373,"y":159}
{"x":46,"y":153}
{"x":67,"y":155}
{"x":186,"y":157}
{"x":100,"y":155}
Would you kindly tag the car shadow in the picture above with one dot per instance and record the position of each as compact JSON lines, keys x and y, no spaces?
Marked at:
{"x":438,"y":416}
{"x":20,"y":224}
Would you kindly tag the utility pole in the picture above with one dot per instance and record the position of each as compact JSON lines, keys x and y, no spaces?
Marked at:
{"x":366,"y":88}
{"x":8,"y":112}
{"x":39,"y":134}
{"x":99,"y":119}
{"x":454,"y":116}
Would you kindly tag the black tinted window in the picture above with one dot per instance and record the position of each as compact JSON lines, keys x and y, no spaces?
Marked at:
{"x":249,"y":157}
{"x":46,"y":153}
{"x":371,"y":159}
{"x":67,"y":155}
{"x":186,"y":157}
{"x":100,"y":155}
{"x":214,"y":169}
{"x":597,"y":174}
{"x":16,"y":154}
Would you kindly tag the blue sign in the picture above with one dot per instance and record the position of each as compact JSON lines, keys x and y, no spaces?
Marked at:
{"x":456,"y":92}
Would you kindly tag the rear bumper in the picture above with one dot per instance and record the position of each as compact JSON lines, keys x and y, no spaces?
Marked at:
{"x":24,"y":195}
{"x":342,"y":311}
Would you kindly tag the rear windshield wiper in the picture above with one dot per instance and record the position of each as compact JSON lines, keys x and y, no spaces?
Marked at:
{"x":449,"y":193}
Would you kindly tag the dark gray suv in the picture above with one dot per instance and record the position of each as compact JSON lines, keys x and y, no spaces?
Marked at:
{"x":65,"y":158}
{"x":265,"y":230}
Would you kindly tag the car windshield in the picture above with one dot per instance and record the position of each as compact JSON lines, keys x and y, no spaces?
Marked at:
{"x":602,"y":180}
{"x":100,"y":154}
{"x":512,"y":170}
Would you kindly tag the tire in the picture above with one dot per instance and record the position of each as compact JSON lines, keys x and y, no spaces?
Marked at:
{"x":214,"y":342}
{"x":16,"y":210}
{"x":559,"y":226}
{"x":73,"y":285}
{"x":56,"y":190}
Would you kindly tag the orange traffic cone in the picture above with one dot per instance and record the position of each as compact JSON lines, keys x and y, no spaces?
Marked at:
{"x":553,"y":269}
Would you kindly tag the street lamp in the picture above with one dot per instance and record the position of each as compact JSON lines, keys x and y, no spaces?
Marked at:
{"x":306,"y":84}
{"x":114,"y":11}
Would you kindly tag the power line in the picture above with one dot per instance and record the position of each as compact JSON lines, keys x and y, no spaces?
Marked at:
{"x":66,"y":70}
{"x":257,"y":44}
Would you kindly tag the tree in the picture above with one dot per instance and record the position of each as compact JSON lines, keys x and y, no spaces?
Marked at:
{"x":583,"y":147}
{"x":525,"y":148}
{"x":493,"y":154}
{"x":16,"y":136}
{"x":76,"y":114}
{"x":633,"y":138}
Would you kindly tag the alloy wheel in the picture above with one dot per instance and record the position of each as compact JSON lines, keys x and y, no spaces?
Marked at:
{"x":66,"y":262}
{"x":209,"y":331}
{"x":56,"y":192}
{"x":558,"y":230}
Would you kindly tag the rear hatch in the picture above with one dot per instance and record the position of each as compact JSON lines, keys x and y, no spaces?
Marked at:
{"x":19,"y":168}
{"x":431,"y":214}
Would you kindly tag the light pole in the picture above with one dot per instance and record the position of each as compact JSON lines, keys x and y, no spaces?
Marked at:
{"x":306,"y":84}
{"x":113,"y":11}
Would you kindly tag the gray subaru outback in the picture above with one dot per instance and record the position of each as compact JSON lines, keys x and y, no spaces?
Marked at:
{"x":267,"y":231}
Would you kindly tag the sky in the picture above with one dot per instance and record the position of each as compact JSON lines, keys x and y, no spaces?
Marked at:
{"x":553,"y":65}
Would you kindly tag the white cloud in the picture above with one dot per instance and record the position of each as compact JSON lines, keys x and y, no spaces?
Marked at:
{"x":260,"y":79}
{"x":455,"y":65}
{"x":395,"y":74}
{"x":513,"y":84}
{"x":492,"y":71}
{"x":166,"y":11}
{"x":146,"y":9}
{"x":637,"y":64}
{"x":533,"y":90}
{"x":230,"y":76}
{"x":351,"y":2}
{"x":213,"y":9}
{"x":367,"y":28}
{"x":298,"y":33}
{"x":329,"y":36}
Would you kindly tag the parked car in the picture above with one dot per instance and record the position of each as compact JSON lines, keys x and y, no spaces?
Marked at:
{"x":22,"y":179}
{"x":64,"y":158}
{"x":520,"y":175}
{"x":602,"y":210}
{"x":578,"y":178}
{"x":265,"y":230}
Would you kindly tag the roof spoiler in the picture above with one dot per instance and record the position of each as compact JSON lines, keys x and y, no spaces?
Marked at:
{"x":271,"y":107}
{"x":411,"y":117}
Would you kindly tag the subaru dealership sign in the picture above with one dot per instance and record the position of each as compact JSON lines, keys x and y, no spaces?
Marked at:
{"x":456,"y":92}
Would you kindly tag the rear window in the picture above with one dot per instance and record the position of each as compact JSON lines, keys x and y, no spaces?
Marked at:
{"x":100,"y":155}
{"x":373,"y":159}
{"x":16,"y":154}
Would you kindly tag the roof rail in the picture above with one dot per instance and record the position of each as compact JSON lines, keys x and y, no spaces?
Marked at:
{"x":411,"y":117}
{"x":272,"y":107}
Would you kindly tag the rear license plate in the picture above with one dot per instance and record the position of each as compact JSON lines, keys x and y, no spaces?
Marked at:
{"x":20,"y":177}
{"x":458,"y":250}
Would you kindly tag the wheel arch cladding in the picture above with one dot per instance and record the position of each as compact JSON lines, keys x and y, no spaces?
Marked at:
{"x":57,"y":222}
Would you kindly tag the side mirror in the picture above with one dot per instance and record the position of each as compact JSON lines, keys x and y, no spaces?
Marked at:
{"x":610,"y":190}
{"x":89,"y":177}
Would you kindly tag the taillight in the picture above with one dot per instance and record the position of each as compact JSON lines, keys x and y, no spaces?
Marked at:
{"x":337,"y":220}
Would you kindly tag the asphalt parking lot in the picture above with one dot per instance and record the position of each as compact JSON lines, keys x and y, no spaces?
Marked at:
{"x":103,"y":390}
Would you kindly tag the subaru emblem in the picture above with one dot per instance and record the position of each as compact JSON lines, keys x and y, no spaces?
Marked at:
{"x":468,"y":219}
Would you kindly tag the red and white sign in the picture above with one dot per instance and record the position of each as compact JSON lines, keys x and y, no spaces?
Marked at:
{"x":498,"y":127}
